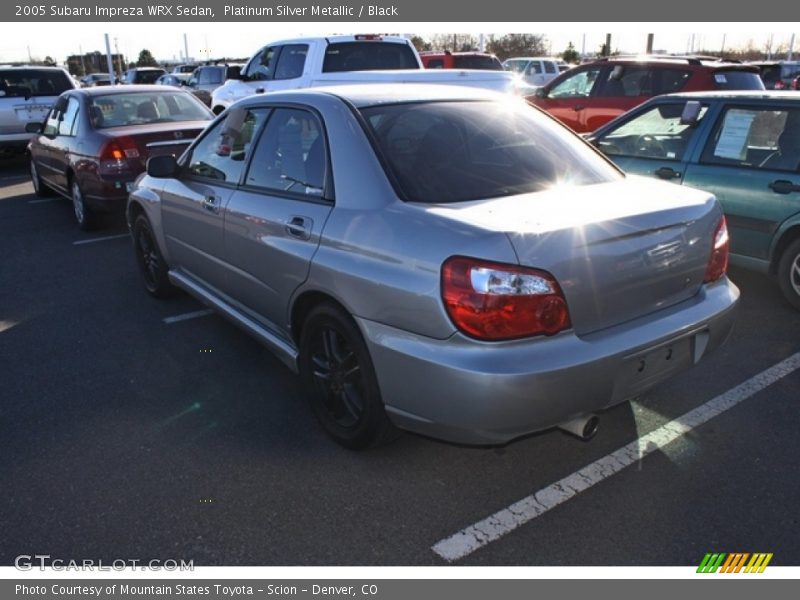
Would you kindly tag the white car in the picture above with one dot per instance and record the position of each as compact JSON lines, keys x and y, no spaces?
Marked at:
{"x":26,"y":96}
{"x":535,"y":71}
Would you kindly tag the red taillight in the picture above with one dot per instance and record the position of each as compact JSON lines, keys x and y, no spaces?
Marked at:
{"x":718,"y":263}
{"x":116,"y":154}
{"x":779,"y":85}
{"x":492,"y":301}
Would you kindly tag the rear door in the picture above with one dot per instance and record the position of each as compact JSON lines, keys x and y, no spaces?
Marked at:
{"x":193,"y":204}
{"x":275,"y":219}
{"x":751,"y":163}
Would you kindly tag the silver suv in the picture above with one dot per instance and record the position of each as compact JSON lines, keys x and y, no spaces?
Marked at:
{"x":26,"y":96}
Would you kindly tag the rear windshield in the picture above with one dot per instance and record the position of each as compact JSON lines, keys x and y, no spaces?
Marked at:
{"x":737,"y":80}
{"x":33,"y":82}
{"x":458,"y":151}
{"x":485,"y":63}
{"x":368,"y":56}
{"x":148,"y":76}
{"x":120,"y":110}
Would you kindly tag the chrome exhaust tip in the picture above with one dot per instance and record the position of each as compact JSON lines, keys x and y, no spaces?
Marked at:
{"x":584,"y":427}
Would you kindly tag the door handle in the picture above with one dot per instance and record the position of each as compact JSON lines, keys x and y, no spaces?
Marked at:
{"x":299,"y":227}
{"x":211,"y":203}
{"x":783,"y":186}
{"x":667,"y":173}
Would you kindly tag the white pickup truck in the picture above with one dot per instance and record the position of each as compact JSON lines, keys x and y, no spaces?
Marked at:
{"x":344,"y":59}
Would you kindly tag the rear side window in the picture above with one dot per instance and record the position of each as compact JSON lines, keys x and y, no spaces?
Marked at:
{"x":290,"y":155}
{"x":441,"y":152}
{"x":737,"y":80}
{"x":549,"y":67}
{"x":435,"y":63}
{"x":671,"y":80}
{"x":757,"y":137}
{"x":483,"y":63}
{"x":25,"y":83}
{"x":368,"y":56}
{"x":628,"y":81}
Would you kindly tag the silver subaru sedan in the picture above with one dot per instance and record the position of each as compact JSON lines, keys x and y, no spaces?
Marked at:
{"x":441,"y":260}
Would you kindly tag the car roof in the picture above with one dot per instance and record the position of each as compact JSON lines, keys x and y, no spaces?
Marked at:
{"x":531,"y":58}
{"x":125,"y":89}
{"x":31,"y":67}
{"x":372,"y":94}
{"x":737,"y":94}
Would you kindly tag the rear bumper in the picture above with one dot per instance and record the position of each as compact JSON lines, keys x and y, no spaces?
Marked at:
{"x":466,"y":391}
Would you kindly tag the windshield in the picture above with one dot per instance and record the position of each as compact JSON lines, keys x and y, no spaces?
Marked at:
{"x":368,"y":56}
{"x":25,"y":83}
{"x":120,"y":110}
{"x":459,"y":151}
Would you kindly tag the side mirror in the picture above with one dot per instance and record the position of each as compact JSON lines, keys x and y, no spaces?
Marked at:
{"x":33,"y":128}
{"x":163,"y":167}
{"x":540,"y":92}
{"x":691,"y":112}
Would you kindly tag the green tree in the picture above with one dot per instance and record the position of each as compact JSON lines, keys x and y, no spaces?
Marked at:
{"x":420,"y":43}
{"x":146,"y":59}
{"x":518,"y":44}
{"x":570,"y":55}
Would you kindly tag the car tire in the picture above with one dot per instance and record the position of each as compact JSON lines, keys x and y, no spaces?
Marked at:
{"x":84,"y":216}
{"x":789,"y":273}
{"x":151,"y":262}
{"x":343,"y":390}
{"x":39,"y":186}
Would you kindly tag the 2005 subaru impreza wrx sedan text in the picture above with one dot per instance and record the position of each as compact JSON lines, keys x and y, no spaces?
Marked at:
{"x":442,"y":260}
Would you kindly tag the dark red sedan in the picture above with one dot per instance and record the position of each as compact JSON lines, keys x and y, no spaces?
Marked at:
{"x":96,"y":141}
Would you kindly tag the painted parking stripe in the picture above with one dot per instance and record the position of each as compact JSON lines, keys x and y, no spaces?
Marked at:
{"x":100,"y":239}
{"x":504,"y":521}
{"x":190,"y":315}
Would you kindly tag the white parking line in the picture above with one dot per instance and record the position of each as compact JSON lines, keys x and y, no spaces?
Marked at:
{"x":504,"y":521}
{"x":100,"y":239}
{"x":190,"y":315}
{"x":41,"y":200}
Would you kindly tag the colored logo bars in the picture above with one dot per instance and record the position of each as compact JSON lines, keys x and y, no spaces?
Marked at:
{"x":733,"y":563}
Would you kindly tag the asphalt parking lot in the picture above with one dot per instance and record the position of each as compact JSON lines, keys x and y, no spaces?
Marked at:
{"x":126,"y":433}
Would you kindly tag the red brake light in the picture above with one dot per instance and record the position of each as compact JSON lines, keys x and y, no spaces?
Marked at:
{"x":493,"y":301}
{"x":718,"y":263}
{"x":115,"y":154}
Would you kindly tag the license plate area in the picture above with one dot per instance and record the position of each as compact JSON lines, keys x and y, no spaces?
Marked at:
{"x":643,"y":370}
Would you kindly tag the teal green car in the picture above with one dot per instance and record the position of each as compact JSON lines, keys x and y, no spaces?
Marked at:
{"x":742,"y":146}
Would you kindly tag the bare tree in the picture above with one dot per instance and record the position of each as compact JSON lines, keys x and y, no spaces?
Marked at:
{"x":518,"y":44}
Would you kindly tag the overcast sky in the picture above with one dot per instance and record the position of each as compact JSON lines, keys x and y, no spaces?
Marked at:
{"x":165,"y":40}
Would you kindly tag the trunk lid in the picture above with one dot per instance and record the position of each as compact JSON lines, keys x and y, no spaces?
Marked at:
{"x":619,"y":250}
{"x":156,"y":139}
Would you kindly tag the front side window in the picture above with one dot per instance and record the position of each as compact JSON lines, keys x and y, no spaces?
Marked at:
{"x":290,"y":155}
{"x":262,"y":67}
{"x":535,"y":68}
{"x":655,"y":133}
{"x":577,"y":85}
{"x":439,"y":152}
{"x":222,"y":153}
{"x":761,"y":138}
